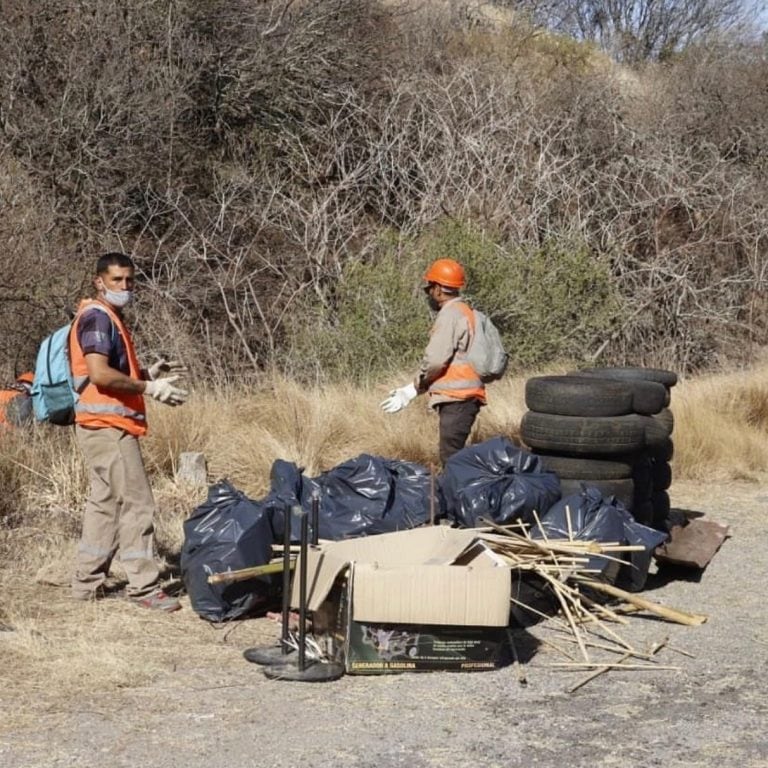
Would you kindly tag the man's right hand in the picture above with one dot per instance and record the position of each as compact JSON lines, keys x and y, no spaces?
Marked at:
{"x":163,"y":391}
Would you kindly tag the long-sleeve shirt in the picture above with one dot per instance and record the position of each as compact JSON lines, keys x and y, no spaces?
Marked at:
{"x":450,"y":334}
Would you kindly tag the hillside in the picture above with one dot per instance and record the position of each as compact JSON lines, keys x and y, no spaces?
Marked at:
{"x":283,"y":171}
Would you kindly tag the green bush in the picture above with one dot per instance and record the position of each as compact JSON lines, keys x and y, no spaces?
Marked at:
{"x":563,"y":303}
{"x":551,"y":303}
{"x":374,"y":320}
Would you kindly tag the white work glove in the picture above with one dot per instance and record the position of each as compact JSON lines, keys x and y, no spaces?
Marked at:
{"x":165,"y":366}
{"x":399,"y":398}
{"x":164,"y":391}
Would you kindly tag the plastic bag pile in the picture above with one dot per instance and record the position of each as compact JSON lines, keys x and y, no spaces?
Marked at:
{"x":493,"y":481}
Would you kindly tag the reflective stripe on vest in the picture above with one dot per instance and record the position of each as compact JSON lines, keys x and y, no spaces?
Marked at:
{"x":98,"y":407}
{"x":460,"y":380}
{"x":121,"y":410}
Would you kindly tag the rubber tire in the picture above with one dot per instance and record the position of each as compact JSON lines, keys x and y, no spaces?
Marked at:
{"x":648,"y":397}
{"x":578,"y":396}
{"x":661,"y":475}
{"x":585,"y":468}
{"x":664,"y":451}
{"x":666,"y":418}
{"x":623,"y":490}
{"x":656,"y":434}
{"x":622,"y":373}
{"x":661,"y":509}
{"x":642,"y":467}
{"x":642,"y":475}
{"x":643,"y":513}
{"x":583,"y":435}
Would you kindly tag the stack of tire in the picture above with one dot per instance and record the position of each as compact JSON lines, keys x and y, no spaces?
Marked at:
{"x":610,"y":428}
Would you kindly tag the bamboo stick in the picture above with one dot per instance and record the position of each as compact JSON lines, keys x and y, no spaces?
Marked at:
{"x":569,"y":617}
{"x":556,"y":647}
{"x":605,"y":668}
{"x":672,"y":614}
{"x":675,"y":649}
{"x":607,"y":612}
{"x":243,"y":574}
{"x":587,"y":664}
{"x":613,"y":649}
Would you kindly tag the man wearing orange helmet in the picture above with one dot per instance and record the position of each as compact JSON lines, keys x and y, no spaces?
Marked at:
{"x":454,"y":388}
{"x":16,"y":403}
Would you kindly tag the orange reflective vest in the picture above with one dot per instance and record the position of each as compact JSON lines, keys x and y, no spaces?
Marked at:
{"x":460,"y":381}
{"x":98,"y":407}
{"x":6,"y":395}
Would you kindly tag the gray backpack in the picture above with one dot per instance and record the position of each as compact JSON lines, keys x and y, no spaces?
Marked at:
{"x":486,"y":352}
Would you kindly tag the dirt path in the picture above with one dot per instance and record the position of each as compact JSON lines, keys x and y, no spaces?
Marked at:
{"x":712,"y":712}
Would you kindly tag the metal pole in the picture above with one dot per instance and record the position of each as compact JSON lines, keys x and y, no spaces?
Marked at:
{"x":287,"y":517}
{"x":431,"y":494}
{"x":315,"y":516}
{"x":303,"y":590}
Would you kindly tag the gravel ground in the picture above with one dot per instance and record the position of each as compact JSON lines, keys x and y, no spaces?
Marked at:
{"x":712,"y":711}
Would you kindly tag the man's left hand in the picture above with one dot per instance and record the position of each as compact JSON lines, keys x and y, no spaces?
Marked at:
{"x":398,"y":399}
{"x":165,"y":366}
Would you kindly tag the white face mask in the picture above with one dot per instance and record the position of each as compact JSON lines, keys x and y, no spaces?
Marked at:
{"x":118,"y":299}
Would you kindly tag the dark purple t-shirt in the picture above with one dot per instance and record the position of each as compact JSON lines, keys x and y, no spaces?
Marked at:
{"x":97,"y":334}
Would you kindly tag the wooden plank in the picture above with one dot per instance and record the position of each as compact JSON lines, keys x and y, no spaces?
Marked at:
{"x":692,"y":545}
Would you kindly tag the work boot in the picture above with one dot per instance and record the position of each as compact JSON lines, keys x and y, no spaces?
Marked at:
{"x":88,"y":595}
{"x":158,"y":600}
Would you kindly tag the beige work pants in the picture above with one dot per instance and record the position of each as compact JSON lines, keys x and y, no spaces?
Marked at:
{"x":119,"y":513}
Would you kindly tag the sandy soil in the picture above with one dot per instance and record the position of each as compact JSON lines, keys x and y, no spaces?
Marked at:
{"x":220,"y":711}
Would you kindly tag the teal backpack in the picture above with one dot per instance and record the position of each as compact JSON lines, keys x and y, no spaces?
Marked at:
{"x":54,"y":396}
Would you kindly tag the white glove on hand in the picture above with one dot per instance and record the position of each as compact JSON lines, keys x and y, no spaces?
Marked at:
{"x":165,"y":366}
{"x":399,"y":398}
{"x":164,"y":391}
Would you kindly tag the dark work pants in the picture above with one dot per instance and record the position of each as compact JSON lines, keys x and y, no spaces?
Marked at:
{"x":456,"y":420}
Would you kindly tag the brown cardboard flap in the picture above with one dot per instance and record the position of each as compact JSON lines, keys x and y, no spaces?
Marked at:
{"x":432,"y":594}
{"x":430,"y":544}
{"x":431,"y":575}
{"x":324,"y":567}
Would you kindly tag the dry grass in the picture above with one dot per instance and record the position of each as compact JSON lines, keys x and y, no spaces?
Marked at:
{"x":60,"y":647}
{"x":721,"y":426}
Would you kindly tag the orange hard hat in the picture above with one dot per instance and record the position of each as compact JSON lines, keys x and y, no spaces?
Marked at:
{"x":26,"y":378}
{"x":446,"y":272}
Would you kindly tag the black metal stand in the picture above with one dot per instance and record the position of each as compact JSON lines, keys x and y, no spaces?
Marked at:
{"x":315,"y":517}
{"x":273,"y":654}
{"x":303,"y":671}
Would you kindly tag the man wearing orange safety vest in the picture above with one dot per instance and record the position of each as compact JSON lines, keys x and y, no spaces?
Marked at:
{"x":454,"y":388}
{"x":109,"y":418}
{"x":16,"y":403}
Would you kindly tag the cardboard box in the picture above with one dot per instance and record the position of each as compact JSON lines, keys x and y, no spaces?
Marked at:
{"x":430,"y":598}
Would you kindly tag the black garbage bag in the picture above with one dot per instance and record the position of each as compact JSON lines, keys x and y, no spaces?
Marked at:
{"x":285,"y":493}
{"x":363,"y":496}
{"x":498,"y":481}
{"x":594,"y":517}
{"x":228,"y":531}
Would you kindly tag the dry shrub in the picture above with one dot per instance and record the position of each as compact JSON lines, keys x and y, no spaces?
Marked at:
{"x":43,"y":465}
{"x":319,"y":427}
{"x":249,"y":154}
{"x":62,"y":648}
{"x":721,"y":429}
